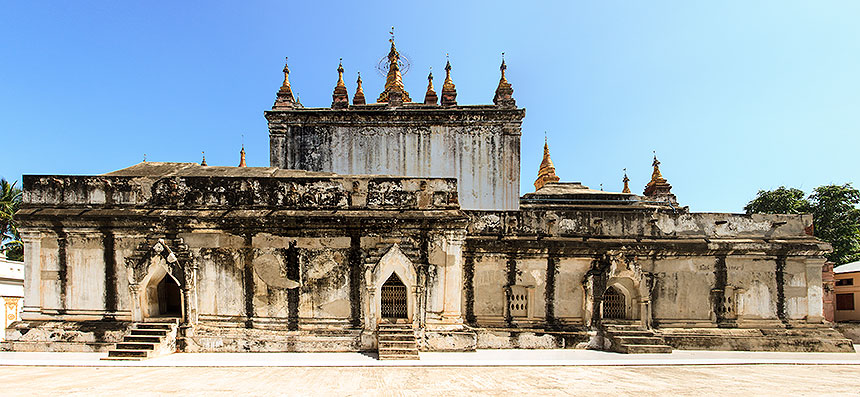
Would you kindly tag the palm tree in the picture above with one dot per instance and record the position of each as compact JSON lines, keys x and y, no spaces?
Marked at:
{"x":10,"y":240}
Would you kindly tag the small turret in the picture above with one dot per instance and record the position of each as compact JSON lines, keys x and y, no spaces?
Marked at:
{"x":394,"y":93}
{"x":358,"y":98}
{"x":546,"y":172}
{"x":658,"y":187}
{"x":285,"y":94}
{"x":449,"y":91}
{"x":430,"y":97}
{"x":504,"y":92}
{"x":340,"y":97}
{"x":242,"y":157}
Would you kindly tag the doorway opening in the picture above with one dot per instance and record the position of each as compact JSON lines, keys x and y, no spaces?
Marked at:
{"x":613,"y":304}
{"x":393,"y":298}
{"x":169,"y":298}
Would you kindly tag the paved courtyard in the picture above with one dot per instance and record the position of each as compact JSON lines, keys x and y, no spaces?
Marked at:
{"x":487,"y":372}
{"x":776,"y":380}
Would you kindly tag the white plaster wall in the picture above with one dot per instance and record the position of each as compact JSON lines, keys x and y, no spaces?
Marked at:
{"x":683,"y":288}
{"x":489,"y":285}
{"x":532,"y":273}
{"x":568,"y":291}
{"x":221,"y":286}
{"x":85,"y":272}
{"x":485,"y":162}
{"x":758,"y":279}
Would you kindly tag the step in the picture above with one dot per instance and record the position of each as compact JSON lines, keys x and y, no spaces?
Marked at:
{"x":639,"y":340}
{"x":142,"y":339}
{"x":123,"y":358}
{"x":393,"y":336}
{"x":148,"y":332}
{"x":643,"y":349}
{"x":399,"y":357}
{"x":629,"y":333}
{"x":398,"y":342}
{"x":164,"y":326}
{"x":135,"y":346}
{"x":129,"y":353}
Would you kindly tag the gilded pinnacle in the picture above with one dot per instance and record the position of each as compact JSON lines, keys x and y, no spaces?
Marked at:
{"x":358,"y":98}
{"x":394,"y":80}
{"x":546,"y":172}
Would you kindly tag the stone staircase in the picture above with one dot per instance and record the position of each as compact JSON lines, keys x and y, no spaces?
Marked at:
{"x":146,"y":340}
{"x":397,"y":342}
{"x":629,"y":337}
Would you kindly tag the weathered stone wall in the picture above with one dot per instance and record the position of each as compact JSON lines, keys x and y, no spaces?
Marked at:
{"x":478,"y":145}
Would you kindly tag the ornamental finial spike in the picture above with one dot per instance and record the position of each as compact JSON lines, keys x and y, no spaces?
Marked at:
{"x":546,"y":172}
{"x":430,"y":98}
{"x":340,"y":97}
{"x":394,"y":80}
{"x":449,"y":91}
{"x":504,"y":92}
{"x":358,"y":98}
{"x":203,"y":163}
{"x":658,"y":187}
{"x":242,"y":157}
{"x":285,"y":98}
{"x":626,"y":180}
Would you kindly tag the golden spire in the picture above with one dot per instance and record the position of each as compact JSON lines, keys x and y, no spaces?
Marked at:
{"x":430,"y":97}
{"x":340,"y":97}
{"x":626,"y":180}
{"x":449,"y":91}
{"x":546,"y":172}
{"x":242,"y":157}
{"x":285,"y":94}
{"x":358,"y":98}
{"x":203,"y":163}
{"x":504,"y":93}
{"x":394,"y":81}
{"x":657,"y":186}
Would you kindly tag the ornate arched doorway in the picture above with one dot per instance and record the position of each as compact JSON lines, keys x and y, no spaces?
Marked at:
{"x":394,"y":299}
{"x":169,"y":297}
{"x":614,"y":305}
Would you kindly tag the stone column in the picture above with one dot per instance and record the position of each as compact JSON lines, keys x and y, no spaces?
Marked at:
{"x":32,"y":240}
{"x":814,"y":290}
{"x":453,"y":278}
{"x":191,"y":294}
{"x":136,"y":310}
{"x":51,"y":287}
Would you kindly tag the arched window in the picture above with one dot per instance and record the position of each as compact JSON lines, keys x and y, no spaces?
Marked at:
{"x":613,"y":304}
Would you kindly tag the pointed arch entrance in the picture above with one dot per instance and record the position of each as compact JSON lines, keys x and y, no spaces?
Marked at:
{"x":394,"y":299}
{"x":614,"y":304}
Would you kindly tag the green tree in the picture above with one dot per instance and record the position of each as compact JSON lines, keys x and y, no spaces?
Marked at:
{"x":834,"y":210}
{"x":837,"y":220}
{"x":779,"y":201}
{"x":10,"y":240}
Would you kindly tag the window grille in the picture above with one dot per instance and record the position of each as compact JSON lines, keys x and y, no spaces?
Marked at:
{"x":613,"y":304}
{"x":519,"y":304}
{"x":393,"y":296}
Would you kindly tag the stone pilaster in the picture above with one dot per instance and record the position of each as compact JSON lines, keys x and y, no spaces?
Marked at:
{"x":32,"y":240}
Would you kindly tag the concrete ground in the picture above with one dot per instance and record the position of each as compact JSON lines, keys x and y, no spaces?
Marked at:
{"x":488,"y":372}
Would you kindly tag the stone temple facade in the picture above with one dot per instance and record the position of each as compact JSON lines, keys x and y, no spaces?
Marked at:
{"x":402,"y":218}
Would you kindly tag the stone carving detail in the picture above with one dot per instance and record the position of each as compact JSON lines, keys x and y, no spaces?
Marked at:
{"x":177,"y":263}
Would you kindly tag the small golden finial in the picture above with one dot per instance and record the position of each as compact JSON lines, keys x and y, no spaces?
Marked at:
{"x":658,"y":186}
{"x":626,"y":180}
{"x":203,"y":163}
{"x":358,"y":98}
{"x":242,"y":157}
{"x":546,"y":172}
{"x":144,"y":157}
{"x":340,"y":97}
{"x":504,"y":92}
{"x":430,"y":97}
{"x":449,"y":91}
{"x":394,"y":80}
{"x":285,"y":94}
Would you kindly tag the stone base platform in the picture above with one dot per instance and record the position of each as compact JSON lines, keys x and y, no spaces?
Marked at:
{"x":516,"y":338}
{"x":63,"y":336}
{"x":812,"y":339}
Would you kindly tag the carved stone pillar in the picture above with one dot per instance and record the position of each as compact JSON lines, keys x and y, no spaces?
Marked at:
{"x":191,"y":314}
{"x":32,"y":240}
{"x":452,"y":278}
{"x":814,"y":291}
{"x":136,"y":310}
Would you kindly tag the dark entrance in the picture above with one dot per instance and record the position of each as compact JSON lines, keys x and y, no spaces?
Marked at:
{"x":393,"y":296}
{"x":169,"y":298}
{"x":613,"y":304}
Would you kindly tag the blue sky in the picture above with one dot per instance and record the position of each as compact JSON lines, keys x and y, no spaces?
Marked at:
{"x":734,"y":96}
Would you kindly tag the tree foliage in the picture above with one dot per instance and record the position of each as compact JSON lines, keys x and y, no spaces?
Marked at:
{"x":834,"y":210}
{"x":10,"y":240}
{"x":779,"y":201}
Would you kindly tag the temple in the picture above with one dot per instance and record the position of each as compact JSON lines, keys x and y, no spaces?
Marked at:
{"x":398,"y":227}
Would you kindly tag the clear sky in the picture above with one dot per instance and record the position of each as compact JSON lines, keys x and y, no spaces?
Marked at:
{"x":734,"y":96}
